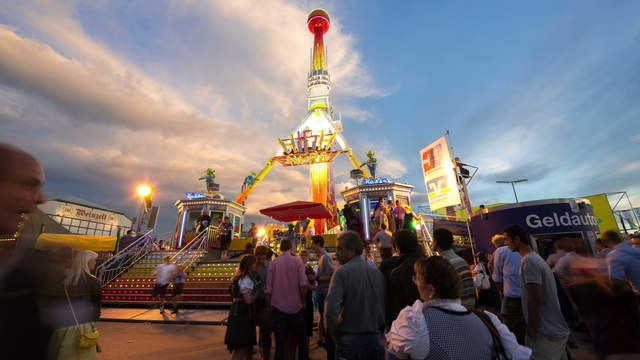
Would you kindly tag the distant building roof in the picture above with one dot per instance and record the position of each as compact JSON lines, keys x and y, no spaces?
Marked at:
{"x":80,"y":201}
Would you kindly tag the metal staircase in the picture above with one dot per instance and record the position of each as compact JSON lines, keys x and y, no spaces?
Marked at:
{"x":125,"y":258}
{"x":207,"y":283}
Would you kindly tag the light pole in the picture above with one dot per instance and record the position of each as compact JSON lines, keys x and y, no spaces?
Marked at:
{"x":512,"y":182}
{"x":144,"y":192}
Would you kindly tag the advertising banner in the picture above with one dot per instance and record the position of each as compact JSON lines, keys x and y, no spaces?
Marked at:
{"x":602,"y":211}
{"x":439,"y":175}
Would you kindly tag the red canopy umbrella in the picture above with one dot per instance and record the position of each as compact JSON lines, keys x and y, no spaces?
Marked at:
{"x":297,"y":210}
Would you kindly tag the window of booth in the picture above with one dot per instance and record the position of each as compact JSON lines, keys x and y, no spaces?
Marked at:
{"x":192,"y":217}
{"x":236,"y":224}
{"x":543,"y":243}
{"x":404,"y":201}
{"x":216,"y":217}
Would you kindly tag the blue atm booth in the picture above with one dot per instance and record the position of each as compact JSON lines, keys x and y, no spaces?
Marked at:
{"x":545,"y":220}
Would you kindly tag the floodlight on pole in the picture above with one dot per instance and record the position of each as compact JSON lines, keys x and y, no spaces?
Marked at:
{"x":512,"y":182}
{"x":143,"y":190}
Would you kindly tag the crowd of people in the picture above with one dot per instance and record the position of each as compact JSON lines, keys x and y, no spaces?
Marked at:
{"x":365,"y":311}
{"x":386,"y":215}
{"x":512,"y":304}
{"x":544,"y":302}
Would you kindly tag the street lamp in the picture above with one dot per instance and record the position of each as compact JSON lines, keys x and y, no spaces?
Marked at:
{"x":144,"y":191}
{"x":513,"y":186}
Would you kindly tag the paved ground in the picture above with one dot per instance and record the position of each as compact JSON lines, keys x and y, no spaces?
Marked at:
{"x":152,"y":341}
{"x":141,"y":334}
{"x":209,"y":317}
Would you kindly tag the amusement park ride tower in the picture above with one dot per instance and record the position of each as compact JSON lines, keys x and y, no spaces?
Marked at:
{"x":318,"y":140}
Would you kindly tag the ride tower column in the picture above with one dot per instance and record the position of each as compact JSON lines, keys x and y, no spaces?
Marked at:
{"x":318,"y":89}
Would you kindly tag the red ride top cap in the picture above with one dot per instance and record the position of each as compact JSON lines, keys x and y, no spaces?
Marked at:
{"x":318,"y":19}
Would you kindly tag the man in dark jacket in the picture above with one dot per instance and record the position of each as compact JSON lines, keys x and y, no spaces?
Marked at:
{"x":401,"y":291}
{"x":126,"y":240}
{"x":23,"y":335}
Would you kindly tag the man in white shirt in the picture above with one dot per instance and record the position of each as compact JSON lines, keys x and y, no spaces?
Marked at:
{"x":506,"y":275}
{"x":164,"y":274}
{"x":383,"y":240}
{"x":547,"y":331}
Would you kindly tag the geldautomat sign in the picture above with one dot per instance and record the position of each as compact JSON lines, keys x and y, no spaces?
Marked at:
{"x":537,"y":217}
{"x":536,"y":221}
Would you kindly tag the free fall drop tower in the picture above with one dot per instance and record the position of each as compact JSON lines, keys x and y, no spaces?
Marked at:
{"x":318,"y":140}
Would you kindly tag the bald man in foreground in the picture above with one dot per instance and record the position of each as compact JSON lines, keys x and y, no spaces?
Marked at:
{"x":22,"y":334}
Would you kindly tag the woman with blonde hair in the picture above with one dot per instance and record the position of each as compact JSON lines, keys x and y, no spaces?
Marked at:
{"x":74,"y":311}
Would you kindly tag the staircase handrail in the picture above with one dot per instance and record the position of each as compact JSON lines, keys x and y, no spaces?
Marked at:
{"x":191,"y":252}
{"x":142,"y":238}
{"x":125,"y":258}
{"x":188,"y":246}
{"x":427,"y":239}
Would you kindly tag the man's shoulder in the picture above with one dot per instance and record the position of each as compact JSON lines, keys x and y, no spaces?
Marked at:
{"x":404,"y":267}
{"x":453,"y":257}
{"x":533,"y":261}
{"x":390,"y":262}
{"x":275,"y":261}
{"x":290,"y":260}
{"x":501,"y":250}
{"x":376,"y":274}
{"x":340,"y":271}
{"x":533,"y":257}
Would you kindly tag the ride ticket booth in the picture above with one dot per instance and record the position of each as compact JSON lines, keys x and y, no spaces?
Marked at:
{"x":368,"y":193}
{"x":191,"y":206}
{"x":545,"y":220}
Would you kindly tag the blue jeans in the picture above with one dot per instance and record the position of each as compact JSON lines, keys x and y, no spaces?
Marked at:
{"x":359,"y":347}
{"x":283,"y":323}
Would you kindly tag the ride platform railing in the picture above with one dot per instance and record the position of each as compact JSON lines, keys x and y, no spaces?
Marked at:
{"x":427,"y":239}
{"x":125,"y":258}
{"x":195,"y":249}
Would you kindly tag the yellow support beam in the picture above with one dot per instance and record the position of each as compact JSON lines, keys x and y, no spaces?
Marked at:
{"x":356,"y":163}
{"x":265,"y":170}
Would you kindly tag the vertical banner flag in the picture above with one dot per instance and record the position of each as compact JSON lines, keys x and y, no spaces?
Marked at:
{"x":439,"y":175}
{"x":602,"y":211}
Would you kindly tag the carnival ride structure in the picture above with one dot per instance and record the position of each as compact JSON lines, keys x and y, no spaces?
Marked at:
{"x":318,"y":140}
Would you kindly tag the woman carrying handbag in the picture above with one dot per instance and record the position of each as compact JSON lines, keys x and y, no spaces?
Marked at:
{"x":488,"y":296}
{"x":75,"y":313}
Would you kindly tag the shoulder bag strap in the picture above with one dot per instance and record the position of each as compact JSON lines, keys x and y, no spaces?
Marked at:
{"x":66,"y":293}
{"x":497,"y":343}
{"x":485,"y":274}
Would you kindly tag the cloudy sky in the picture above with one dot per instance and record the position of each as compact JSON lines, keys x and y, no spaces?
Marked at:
{"x":109,"y":94}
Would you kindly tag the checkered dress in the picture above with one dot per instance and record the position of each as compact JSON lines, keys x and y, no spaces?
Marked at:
{"x":457,"y":335}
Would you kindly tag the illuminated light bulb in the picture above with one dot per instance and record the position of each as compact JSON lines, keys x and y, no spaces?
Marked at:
{"x":143,"y":190}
